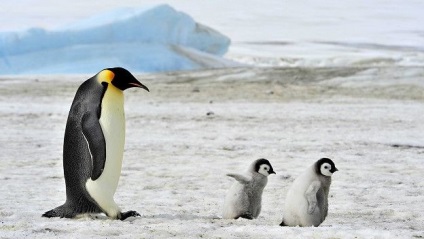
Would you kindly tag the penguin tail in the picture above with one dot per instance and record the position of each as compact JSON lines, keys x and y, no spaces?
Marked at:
{"x":52,"y":213}
{"x":282,"y":224}
{"x":60,"y":211}
{"x":71,"y":209}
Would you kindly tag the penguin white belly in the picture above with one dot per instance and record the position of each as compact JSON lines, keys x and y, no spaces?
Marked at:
{"x":112,"y":121}
{"x":296,"y":205}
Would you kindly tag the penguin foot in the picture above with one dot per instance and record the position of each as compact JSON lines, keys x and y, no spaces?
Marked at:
{"x":247,"y":216}
{"x":51,"y":213}
{"x":125,"y":215}
{"x":282,"y":224}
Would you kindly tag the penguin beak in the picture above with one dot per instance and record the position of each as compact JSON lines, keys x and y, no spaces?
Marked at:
{"x":335,"y":170}
{"x":139,"y":85}
{"x":272,"y":172}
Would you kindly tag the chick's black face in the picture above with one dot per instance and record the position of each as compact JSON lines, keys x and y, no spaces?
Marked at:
{"x":123,"y":79}
{"x":260,"y":162}
{"x":325,"y":164}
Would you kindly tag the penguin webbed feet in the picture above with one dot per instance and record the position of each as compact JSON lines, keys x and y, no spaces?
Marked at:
{"x":125,"y":215}
{"x":60,"y":211}
{"x":282,"y":224}
{"x":246,"y":216}
{"x":50,"y":214}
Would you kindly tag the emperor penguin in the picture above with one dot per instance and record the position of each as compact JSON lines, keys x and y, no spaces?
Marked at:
{"x":94,"y":145}
{"x":244,"y":199}
{"x":306,"y":203}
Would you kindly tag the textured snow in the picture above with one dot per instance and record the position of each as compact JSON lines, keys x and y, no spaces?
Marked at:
{"x":176,"y":155}
{"x":142,"y":40}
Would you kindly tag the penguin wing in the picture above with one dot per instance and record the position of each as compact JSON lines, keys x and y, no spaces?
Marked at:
{"x":241,"y":178}
{"x":93,"y":134}
{"x":311,"y":195}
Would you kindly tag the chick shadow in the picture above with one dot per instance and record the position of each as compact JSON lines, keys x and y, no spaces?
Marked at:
{"x":186,"y":217}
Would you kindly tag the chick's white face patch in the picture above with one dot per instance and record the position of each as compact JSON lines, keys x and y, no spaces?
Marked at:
{"x":326,"y":169}
{"x":264,"y":169}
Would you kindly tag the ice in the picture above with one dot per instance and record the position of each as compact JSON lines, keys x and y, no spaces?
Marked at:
{"x":142,"y":40}
{"x":272,"y":33}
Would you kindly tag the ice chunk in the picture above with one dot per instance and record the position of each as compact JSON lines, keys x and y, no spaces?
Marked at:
{"x":142,"y":40}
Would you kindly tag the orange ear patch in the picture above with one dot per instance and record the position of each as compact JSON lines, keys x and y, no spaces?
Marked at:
{"x":105,"y":76}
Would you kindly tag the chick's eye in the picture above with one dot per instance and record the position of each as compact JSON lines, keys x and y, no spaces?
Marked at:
{"x":326,"y":167}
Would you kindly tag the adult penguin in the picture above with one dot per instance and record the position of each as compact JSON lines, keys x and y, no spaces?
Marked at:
{"x":94,"y":145}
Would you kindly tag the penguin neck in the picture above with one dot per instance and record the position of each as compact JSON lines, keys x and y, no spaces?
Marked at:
{"x":325,"y":183}
{"x":259,"y":179}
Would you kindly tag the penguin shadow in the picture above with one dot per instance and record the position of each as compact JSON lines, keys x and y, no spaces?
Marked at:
{"x":186,"y":217}
{"x":95,"y":216}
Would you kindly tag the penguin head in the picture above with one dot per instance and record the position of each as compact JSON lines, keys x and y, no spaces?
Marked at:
{"x":263,"y":166}
{"x":325,"y":167}
{"x":120,"y":78}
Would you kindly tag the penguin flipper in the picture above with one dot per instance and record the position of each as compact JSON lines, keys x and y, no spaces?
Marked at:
{"x":311,"y":195}
{"x":93,"y":133}
{"x":241,"y":178}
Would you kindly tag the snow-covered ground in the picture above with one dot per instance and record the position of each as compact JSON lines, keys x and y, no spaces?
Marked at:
{"x":177,"y":155}
{"x":351,"y":88}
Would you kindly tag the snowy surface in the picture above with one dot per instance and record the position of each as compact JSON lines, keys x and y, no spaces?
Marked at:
{"x":152,"y":39}
{"x":177,"y":156}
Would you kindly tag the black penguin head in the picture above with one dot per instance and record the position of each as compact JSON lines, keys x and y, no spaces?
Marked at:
{"x":120,"y":78}
{"x":325,"y":167}
{"x":263,"y":167}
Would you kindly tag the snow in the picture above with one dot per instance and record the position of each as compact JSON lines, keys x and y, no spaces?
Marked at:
{"x":177,"y":156}
{"x":142,"y":40}
{"x":343,"y":79}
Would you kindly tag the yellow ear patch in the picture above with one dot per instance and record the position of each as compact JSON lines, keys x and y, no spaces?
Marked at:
{"x":105,"y":76}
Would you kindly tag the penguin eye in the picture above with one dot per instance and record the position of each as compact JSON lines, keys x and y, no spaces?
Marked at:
{"x":326,"y":167}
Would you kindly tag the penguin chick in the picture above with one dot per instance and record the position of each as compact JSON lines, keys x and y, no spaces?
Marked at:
{"x":94,"y":145}
{"x":307,"y":199}
{"x":244,"y":199}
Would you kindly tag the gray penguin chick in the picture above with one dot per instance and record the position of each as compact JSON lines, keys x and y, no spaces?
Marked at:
{"x":244,"y":199}
{"x":307,"y":199}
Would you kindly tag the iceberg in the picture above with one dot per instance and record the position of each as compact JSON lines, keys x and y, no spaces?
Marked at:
{"x":153,"y":39}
